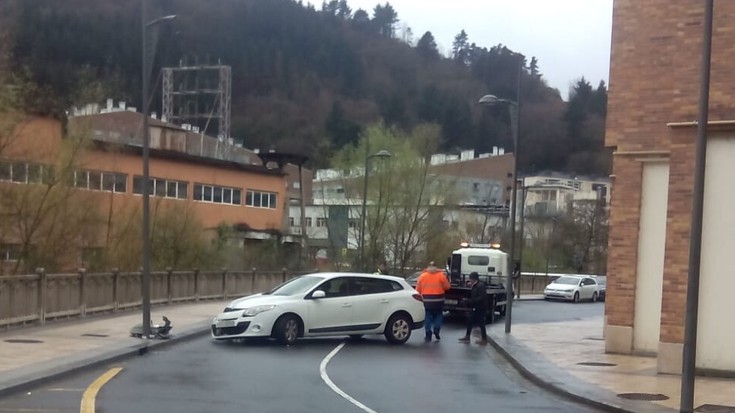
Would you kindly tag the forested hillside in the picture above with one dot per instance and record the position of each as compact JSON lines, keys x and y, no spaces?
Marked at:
{"x":304,"y":80}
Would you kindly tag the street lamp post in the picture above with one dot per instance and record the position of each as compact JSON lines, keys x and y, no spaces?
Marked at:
{"x":146,"y":273}
{"x":380,"y":154}
{"x":689,"y":354}
{"x":522,"y":238}
{"x":514,"y":107}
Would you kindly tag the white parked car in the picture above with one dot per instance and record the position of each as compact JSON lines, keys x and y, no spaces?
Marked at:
{"x":572,"y":287}
{"x":325,"y":304}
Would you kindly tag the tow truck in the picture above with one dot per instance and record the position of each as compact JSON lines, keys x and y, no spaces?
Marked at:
{"x":491,"y":264}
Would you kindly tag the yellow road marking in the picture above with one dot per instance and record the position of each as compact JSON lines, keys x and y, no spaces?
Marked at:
{"x":89,"y":396}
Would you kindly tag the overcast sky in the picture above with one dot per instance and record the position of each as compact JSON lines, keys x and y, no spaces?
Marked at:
{"x":570,"y":38}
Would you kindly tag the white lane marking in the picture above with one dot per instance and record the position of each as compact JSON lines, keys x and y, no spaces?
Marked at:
{"x":326,"y":379}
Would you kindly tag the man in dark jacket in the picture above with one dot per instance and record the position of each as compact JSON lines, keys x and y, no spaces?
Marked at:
{"x":478,"y":302}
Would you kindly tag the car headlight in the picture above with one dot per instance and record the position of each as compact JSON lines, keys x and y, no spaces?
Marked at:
{"x":253,"y":311}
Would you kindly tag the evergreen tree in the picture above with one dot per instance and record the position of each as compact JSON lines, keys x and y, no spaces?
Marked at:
{"x":361,"y":20}
{"x":385,"y":19}
{"x":427,"y":47}
{"x":343,"y":10}
{"x":461,"y":48}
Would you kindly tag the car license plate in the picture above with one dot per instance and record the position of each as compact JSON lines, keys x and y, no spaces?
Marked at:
{"x":226,"y":323}
{"x":451,"y":302}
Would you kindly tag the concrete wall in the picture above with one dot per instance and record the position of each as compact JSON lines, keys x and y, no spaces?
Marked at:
{"x":650,"y":265}
{"x":716,"y":335}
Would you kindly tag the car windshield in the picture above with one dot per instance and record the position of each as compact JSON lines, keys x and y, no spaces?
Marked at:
{"x":298,"y":285}
{"x":567,"y":281}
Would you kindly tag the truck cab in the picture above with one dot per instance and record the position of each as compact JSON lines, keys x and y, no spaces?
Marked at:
{"x":487,"y":260}
{"x":491,"y":264}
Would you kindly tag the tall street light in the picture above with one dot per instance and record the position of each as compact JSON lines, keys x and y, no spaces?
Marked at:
{"x":524,"y":192}
{"x":380,"y":154}
{"x":514,"y":107}
{"x":147,"y":57}
{"x":689,"y":355}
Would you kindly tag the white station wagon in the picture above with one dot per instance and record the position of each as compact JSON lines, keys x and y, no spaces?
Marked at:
{"x":325,"y":304}
{"x":572,"y":287}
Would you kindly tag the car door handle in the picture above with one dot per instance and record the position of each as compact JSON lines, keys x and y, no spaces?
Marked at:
{"x":384,"y":301}
{"x":347,"y":305}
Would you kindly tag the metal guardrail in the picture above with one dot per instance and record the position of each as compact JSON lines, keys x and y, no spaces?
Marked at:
{"x":535,"y":282}
{"x":40,"y":297}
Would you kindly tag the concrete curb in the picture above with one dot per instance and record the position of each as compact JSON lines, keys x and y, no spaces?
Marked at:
{"x":547,"y":375}
{"x":24,"y":378}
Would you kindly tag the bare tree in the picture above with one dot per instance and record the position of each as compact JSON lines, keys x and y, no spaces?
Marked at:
{"x":406,"y":201}
{"x":583,"y":236}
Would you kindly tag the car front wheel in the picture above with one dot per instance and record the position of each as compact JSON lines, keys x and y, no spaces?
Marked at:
{"x":576,"y":297}
{"x":398,"y":329}
{"x":286,"y":330}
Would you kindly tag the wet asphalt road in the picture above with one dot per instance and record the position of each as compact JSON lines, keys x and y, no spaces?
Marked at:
{"x":262,"y":376}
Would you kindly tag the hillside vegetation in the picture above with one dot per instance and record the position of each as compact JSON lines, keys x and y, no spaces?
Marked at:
{"x":304,"y":80}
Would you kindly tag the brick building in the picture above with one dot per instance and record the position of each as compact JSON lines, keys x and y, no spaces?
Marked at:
{"x":652,"y":105}
{"x":243,"y":194}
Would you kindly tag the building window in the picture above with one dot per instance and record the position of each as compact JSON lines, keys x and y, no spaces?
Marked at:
{"x":25,"y":173}
{"x":161,"y":187}
{"x":308,"y":221}
{"x":94,"y":180}
{"x":296,"y":185}
{"x":20,"y":173}
{"x":112,"y":182}
{"x":321,"y":222}
{"x":10,"y":252}
{"x":291,"y":222}
{"x":352,"y":223}
{"x":260,"y":199}
{"x":5,"y":171}
{"x":548,"y":196}
{"x":217,"y":194}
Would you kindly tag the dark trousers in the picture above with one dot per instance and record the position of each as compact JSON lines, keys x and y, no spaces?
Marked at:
{"x":433,"y":320}
{"x":477,"y":318}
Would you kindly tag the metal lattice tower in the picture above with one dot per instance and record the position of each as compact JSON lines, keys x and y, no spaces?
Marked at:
{"x":199,"y":95}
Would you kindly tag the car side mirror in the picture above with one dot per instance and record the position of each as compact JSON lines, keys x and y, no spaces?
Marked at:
{"x":318,"y":294}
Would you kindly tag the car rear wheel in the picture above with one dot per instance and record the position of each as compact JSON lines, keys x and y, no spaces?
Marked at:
{"x":398,"y":329}
{"x":286,"y":330}
{"x":594,"y":297}
{"x":576,"y":297}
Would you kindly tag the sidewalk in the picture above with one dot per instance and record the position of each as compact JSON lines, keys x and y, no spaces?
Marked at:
{"x":33,"y":355}
{"x":569,"y":358}
{"x":548,"y":354}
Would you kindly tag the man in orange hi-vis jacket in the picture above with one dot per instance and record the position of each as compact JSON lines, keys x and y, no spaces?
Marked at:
{"x":432,"y":284}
